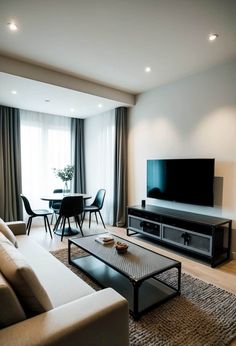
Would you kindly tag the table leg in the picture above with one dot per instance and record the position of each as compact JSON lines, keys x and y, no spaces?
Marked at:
{"x":69,"y":252}
{"x":179,"y":278}
{"x":136,"y":286}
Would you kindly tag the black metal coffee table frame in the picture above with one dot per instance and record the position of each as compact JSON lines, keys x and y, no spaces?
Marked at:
{"x":147,"y":285}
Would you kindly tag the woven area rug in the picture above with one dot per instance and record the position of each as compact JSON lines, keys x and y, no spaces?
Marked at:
{"x":203,"y":315}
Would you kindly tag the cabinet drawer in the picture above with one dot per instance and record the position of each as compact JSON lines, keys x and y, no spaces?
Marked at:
{"x":186,"y":239}
{"x":135,"y":223}
{"x":147,"y":215}
{"x":144,"y":226}
{"x":187,"y":224}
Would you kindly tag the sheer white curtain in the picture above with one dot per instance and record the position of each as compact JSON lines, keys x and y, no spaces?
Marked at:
{"x":45,"y":144}
{"x":99,"y":158}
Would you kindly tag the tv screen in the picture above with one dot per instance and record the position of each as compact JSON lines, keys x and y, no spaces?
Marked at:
{"x":181,"y":180}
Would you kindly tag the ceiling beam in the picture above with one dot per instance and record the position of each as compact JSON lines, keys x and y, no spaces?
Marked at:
{"x":42,"y":74}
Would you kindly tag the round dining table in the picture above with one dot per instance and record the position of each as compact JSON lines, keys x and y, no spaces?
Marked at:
{"x":69,"y":231}
{"x":59,"y":196}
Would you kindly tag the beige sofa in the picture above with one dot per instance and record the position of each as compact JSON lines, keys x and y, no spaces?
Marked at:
{"x":79,"y":314}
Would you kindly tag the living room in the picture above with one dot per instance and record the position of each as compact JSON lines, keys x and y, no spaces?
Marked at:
{"x":181,"y":107}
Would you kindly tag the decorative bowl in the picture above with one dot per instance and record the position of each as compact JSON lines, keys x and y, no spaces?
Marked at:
{"x":121,"y":248}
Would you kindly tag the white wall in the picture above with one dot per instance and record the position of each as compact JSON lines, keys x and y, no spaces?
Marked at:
{"x":190,"y":118}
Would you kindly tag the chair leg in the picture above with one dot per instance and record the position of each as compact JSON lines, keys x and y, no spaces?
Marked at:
{"x":45,"y":223}
{"x":52,"y":219}
{"x":90,"y":218}
{"x":57,"y":224}
{"x":28,"y":227}
{"x":82,"y":221}
{"x":69,"y":223}
{"x":102,"y":219}
{"x":75,"y":221}
{"x":96,"y":217}
{"x":62,"y":222}
{"x":78,"y":221}
{"x":49,"y":227}
{"x":63,"y":228}
{"x":80,"y":226}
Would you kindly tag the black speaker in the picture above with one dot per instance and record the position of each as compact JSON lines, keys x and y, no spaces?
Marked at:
{"x":143,"y":203}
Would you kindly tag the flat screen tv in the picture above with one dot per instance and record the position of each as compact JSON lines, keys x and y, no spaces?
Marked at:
{"x":181,"y":180}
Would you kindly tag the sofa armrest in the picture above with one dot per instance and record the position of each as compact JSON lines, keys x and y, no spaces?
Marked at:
{"x":17,"y":227}
{"x":98,"y":319}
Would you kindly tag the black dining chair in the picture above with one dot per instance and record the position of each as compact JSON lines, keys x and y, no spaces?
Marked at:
{"x":36,"y":213}
{"x":95,"y":207}
{"x":71,"y":206}
{"x":55,"y":205}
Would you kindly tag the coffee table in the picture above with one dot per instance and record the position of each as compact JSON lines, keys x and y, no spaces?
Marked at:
{"x":133,"y":274}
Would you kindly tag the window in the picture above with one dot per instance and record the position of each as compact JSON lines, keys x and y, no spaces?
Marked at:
{"x":45,"y":144}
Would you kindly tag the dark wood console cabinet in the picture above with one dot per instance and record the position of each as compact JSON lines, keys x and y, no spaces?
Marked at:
{"x":202,"y":236}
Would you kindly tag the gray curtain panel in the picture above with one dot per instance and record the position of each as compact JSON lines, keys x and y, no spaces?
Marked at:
{"x":120,"y":169}
{"x":78,"y":159}
{"x":10,"y":164}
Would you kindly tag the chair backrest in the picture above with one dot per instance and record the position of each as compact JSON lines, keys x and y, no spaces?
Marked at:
{"x":71,"y":206}
{"x":27,"y":206}
{"x":53,"y":204}
{"x":99,"y":199}
{"x":58,"y":191}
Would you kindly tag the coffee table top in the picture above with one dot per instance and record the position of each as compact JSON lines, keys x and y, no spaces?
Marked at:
{"x":137,"y":263}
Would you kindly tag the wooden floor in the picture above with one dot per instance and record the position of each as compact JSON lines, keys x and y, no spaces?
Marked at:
{"x":223,"y":276}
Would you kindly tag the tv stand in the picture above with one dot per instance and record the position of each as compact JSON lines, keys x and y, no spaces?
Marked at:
{"x":202,"y":236}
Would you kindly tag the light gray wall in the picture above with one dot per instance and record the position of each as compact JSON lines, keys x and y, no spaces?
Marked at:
{"x":190,"y":118}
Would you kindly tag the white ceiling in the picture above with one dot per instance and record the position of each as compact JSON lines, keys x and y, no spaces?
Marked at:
{"x":111,"y":41}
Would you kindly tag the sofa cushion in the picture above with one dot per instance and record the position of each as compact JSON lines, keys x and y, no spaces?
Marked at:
{"x":60,"y":283}
{"x":5,"y":230}
{"x":22,"y":278}
{"x":10,"y":309}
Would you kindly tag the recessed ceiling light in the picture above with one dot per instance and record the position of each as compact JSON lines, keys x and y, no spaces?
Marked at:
{"x":72,"y":109}
{"x":14,"y":92}
{"x":100,"y":105}
{"x":12,"y":26}
{"x":147,"y":69}
{"x":213,"y":37}
{"x":47,"y":100}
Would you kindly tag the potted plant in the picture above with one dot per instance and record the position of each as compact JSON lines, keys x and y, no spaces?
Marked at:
{"x":66,"y":174}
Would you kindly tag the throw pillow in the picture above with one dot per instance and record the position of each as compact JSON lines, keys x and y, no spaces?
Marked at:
{"x":10,"y":309}
{"x":5,"y":230}
{"x":20,"y":275}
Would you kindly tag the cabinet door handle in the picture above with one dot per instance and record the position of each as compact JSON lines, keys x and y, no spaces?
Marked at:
{"x":186,"y":237}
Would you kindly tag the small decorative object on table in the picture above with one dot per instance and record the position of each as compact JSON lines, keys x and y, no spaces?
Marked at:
{"x":66,"y":174}
{"x":105,"y":239}
{"x":121,"y":247}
